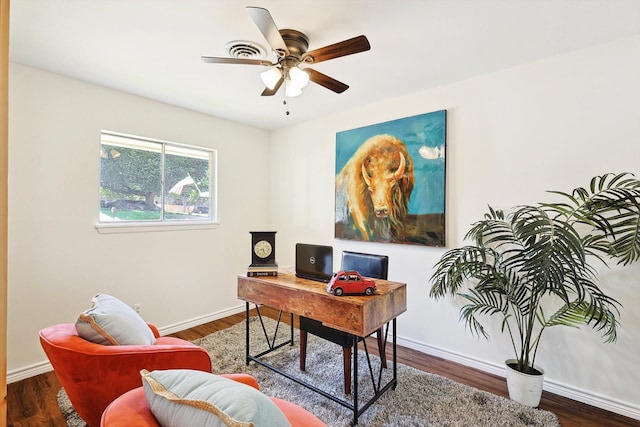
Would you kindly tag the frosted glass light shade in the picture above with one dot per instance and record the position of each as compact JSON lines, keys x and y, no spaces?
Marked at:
{"x":299,"y":78}
{"x":292,"y":90}
{"x":271,"y":77}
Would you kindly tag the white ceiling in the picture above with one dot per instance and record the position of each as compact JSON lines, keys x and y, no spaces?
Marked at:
{"x":152,"y":48}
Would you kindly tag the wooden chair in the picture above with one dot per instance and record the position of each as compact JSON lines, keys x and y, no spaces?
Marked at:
{"x":369,"y":265}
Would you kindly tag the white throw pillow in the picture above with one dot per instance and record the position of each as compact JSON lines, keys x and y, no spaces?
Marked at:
{"x":112,"y":322}
{"x":184,"y":397}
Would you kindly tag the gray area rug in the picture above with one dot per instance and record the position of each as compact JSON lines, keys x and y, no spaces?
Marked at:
{"x":420,"y":399}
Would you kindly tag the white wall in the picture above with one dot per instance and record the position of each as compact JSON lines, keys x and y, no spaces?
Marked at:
{"x":512,"y":135}
{"x":57,"y":259}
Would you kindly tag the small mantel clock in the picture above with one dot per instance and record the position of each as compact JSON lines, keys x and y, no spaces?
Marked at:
{"x":263,"y":248}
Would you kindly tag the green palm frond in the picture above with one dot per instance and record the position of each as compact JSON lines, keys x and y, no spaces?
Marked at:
{"x":572,"y":315}
{"x":577,"y":314}
{"x":492,"y":231}
{"x":482,"y":303}
{"x":626,"y":247}
{"x":611,"y":206}
{"x":456,"y":267}
{"x":519,"y":296}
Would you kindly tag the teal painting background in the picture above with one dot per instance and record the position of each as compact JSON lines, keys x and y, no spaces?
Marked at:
{"x":425,"y":138}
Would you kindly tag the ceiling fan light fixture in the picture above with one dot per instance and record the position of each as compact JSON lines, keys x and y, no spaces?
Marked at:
{"x":271,"y":77}
{"x":299,"y":78}
{"x":291,"y":49}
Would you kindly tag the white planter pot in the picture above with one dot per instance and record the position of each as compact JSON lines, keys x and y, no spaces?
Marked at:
{"x":524,"y":388}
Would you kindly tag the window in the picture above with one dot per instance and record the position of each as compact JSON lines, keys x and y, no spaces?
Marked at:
{"x":146,"y":181}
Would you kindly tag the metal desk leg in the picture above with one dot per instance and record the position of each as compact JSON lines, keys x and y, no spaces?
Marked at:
{"x":395,"y":356}
{"x":271,"y":341}
{"x":355,"y":379}
{"x":246,"y":322}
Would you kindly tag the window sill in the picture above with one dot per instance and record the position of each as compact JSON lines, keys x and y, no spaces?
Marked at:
{"x":138,"y":227}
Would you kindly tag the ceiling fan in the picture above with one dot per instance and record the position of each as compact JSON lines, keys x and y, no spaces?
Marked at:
{"x":290,"y":48}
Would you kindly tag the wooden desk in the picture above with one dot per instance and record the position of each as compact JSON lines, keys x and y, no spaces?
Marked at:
{"x":358,"y":315}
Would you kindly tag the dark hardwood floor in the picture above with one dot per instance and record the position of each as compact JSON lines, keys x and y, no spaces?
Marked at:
{"x":32,"y":402}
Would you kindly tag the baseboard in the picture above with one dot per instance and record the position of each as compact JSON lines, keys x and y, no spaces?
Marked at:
{"x":28,"y":372}
{"x":196,"y":321}
{"x":44,"y":367}
{"x":573,"y":393}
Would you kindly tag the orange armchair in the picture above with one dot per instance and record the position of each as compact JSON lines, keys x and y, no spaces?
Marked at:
{"x":132,"y":409}
{"x":93,"y":375}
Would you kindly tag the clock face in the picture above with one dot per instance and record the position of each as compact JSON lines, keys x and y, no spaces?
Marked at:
{"x":262,"y":249}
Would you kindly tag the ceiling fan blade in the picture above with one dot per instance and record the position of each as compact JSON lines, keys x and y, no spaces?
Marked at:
{"x":326,"y":81}
{"x":271,"y":92}
{"x":217,"y":60}
{"x":336,"y":50}
{"x":268,"y":28}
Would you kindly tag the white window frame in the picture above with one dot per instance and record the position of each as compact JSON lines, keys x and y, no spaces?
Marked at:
{"x":162,"y":224}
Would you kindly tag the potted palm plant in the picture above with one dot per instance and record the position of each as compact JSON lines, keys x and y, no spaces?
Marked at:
{"x":533,"y":267}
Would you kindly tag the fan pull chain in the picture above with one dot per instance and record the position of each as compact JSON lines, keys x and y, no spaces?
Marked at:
{"x":286,"y":105}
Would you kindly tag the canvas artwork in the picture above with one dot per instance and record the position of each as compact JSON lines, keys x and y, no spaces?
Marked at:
{"x":390,"y":181}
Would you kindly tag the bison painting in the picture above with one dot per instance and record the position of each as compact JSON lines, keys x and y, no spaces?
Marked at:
{"x":373,"y":189}
{"x":390,"y":181}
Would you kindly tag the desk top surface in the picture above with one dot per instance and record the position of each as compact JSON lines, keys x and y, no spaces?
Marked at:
{"x":356,"y":314}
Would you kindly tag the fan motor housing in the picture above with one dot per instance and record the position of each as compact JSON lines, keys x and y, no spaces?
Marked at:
{"x":296,"y":42}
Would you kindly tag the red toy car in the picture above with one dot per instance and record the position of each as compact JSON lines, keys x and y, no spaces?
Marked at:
{"x":350,"y":282}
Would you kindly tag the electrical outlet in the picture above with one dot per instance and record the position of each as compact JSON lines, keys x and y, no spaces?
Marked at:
{"x":137,"y":307}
